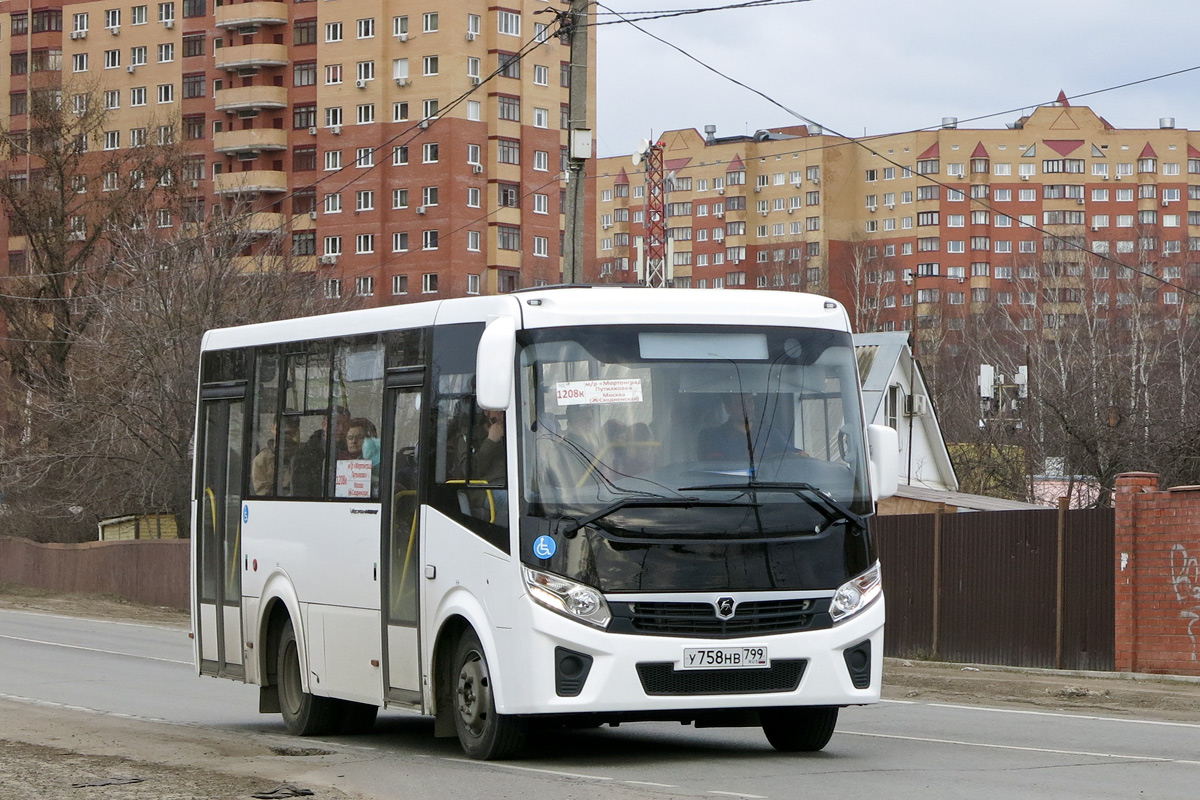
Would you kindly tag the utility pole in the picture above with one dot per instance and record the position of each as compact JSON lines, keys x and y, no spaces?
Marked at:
{"x":579,"y":142}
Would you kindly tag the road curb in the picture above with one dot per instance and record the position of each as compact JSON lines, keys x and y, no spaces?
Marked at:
{"x":1061,"y":673}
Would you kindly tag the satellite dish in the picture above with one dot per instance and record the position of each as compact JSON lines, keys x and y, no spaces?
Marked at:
{"x":639,"y":151}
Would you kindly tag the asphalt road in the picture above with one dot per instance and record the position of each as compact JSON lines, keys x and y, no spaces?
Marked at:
{"x":893,"y":750}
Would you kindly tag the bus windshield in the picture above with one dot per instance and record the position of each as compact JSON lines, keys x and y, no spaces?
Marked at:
{"x":689,"y":448}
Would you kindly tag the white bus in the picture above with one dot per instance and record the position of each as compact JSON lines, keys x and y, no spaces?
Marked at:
{"x":559,"y":506}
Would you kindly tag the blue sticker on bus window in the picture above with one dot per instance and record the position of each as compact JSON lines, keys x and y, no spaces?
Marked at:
{"x":544,"y":547}
{"x":245,"y":514}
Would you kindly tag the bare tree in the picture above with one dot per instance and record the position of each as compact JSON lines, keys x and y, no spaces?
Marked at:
{"x":125,"y":268}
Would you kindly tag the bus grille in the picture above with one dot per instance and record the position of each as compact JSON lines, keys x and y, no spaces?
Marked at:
{"x":700,"y":619}
{"x":664,"y":679}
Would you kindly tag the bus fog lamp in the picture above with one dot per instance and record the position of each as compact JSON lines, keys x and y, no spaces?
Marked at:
{"x":856,"y":594}
{"x":567,"y":597}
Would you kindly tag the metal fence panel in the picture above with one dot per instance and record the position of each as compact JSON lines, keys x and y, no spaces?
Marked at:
{"x":994,"y":595}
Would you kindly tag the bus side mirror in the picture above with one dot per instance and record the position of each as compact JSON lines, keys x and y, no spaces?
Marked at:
{"x":494,"y":363}
{"x":885,"y":460}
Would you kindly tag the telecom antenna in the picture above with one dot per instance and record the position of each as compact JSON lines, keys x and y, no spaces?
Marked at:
{"x":656,"y":212}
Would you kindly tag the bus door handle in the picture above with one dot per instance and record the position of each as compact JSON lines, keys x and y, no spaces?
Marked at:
{"x":430,"y":571}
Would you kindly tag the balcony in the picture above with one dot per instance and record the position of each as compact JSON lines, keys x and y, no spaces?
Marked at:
{"x":254,"y":139}
{"x":251,"y":97}
{"x":255,"y":180}
{"x":246,"y":15}
{"x":251,"y":56}
{"x":266,"y":222}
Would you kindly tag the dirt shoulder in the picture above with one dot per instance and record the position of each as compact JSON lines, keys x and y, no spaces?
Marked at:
{"x":1105,"y":694}
{"x":49,"y":752}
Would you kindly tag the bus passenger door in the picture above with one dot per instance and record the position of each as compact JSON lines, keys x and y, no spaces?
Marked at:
{"x":218,"y":546}
{"x":401,"y":557}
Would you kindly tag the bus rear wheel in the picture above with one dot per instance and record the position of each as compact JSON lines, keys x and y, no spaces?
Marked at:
{"x":799,"y":730}
{"x":304,"y":714}
{"x":483,"y":733}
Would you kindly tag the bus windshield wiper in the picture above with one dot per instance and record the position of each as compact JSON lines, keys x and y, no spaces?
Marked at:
{"x":646,"y":501}
{"x":820,"y":500}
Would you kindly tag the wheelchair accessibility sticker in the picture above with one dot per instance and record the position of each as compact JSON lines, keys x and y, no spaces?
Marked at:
{"x":544,"y":547}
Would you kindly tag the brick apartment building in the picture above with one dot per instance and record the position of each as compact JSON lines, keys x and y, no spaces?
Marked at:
{"x":1056,"y":218}
{"x":370,"y":134}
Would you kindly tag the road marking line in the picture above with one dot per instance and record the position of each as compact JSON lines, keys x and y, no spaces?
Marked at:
{"x":92,"y":619}
{"x":94,"y":650}
{"x":651,"y":783}
{"x":1091,"y":717}
{"x":576,"y":775}
{"x":1048,"y":750}
{"x":738,"y":794}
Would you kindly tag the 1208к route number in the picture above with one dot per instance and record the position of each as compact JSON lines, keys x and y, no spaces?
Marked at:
{"x":724,"y":658}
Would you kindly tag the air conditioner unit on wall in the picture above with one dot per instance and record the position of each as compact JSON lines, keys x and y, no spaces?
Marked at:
{"x":477,"y":168}
{"x":168,"y":24}
{"x":327,"y":260}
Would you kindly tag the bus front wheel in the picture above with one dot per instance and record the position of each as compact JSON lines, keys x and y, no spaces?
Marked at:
{"x":304,"y":714}
{"x":483,"y":733}
{"x":799,"y":730}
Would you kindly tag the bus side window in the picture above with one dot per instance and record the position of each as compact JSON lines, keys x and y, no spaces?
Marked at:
{"x":358,"y":367}
{"x":460,"y":488}
{"x":307,"y":400}
{"x":264,"y":435}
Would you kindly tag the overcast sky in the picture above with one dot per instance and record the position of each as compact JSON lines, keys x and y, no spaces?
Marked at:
{"x":891,"y":65}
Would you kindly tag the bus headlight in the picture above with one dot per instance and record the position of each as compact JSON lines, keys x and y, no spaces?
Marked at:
{"x":567,"y":597}
{"x":856,"y":594}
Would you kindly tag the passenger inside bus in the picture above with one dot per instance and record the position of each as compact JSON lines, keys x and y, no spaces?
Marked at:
{"x":308,"y":465}
{"x":262,"y":469}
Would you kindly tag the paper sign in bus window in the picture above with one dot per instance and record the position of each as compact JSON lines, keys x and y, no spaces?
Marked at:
{"x":353,"y":478}
{"x":581,"y":393}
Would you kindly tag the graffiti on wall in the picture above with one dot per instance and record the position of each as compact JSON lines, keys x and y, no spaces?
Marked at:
{"x":1185,"y":580}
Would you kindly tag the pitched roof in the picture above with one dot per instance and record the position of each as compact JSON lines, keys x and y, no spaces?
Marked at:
{"x":932,"y":152}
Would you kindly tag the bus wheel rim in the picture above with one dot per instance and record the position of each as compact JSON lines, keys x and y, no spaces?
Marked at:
{"x":473,"y":693}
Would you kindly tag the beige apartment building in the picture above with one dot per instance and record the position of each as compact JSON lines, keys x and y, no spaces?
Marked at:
{"x":407,"y":151}
{"x":1056,"y":218}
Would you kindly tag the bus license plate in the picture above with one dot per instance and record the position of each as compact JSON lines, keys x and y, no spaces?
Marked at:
{"x":724,"y":658}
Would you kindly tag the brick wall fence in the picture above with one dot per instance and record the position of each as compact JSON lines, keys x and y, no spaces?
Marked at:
{"x":1157,"y":563}
{"x":150,"y":571}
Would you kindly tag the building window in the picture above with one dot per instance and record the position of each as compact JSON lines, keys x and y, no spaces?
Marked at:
{"x":508,"y":237}
{"x":429,"y":240}
{"x":429,"y":283}
{"x":473,"y":241}
{"x":509,"y":107}
{"x":508,"y":23}
{"x":399,"y":284}
{"x":509,"y":65}
{"x":429,"y":22}
{"x":399,"y":198}
{"x":193,"y":86}
{"x":333,"y":31}
{"x":364,"y":244}
{"x":429,"y":153}
{"x":400,"y":242}
{"x":333,"y":289}
{"x":472,"y":284}
{"x":508,"y":151}
{"x":166,"y":93}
